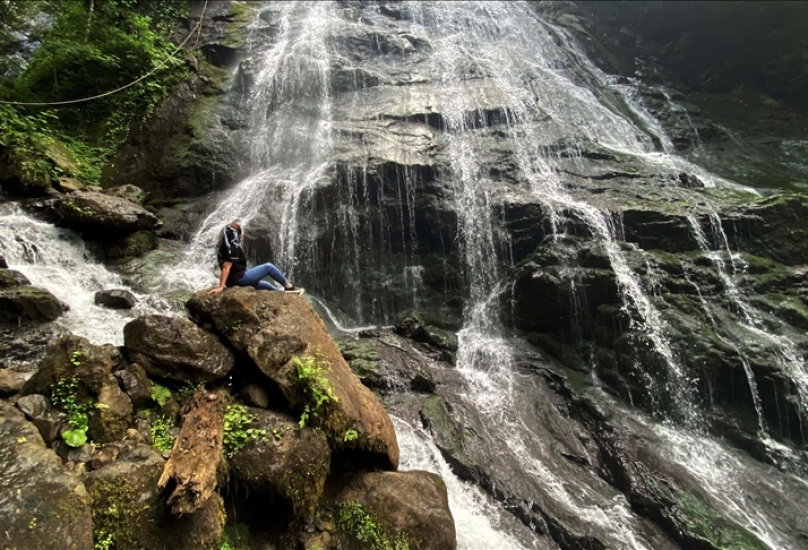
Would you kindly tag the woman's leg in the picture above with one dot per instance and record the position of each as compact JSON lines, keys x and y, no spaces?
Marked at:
{"x":252,"y":277}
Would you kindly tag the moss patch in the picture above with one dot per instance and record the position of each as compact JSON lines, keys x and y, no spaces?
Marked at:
{"x":354,"y":522}
{"x":242,"y":15}
{"x":117,"y":512}
{"x":704,"y":524}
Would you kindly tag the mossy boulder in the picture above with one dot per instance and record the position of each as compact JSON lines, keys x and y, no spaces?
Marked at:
{"x":409,"y":323}
{"x":43,"y":506}
{"x":26,"y":304}
{"x":277,"y":331}
{"x":440,"y":338}
{"x":290,"y":462}
{"x":176,"y":348}
{"x":127,"y":505}
{"x":363,"y":359}
{"x":396,"y":510}
{"x":131,"y":246}
{"x":10,"y":277}
{"x":74,"y":356}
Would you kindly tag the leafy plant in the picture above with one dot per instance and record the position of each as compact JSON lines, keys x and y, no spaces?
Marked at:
{"x":64,"y":396}
{"x":353,"y":520}
{"x":319,"y":391}
{"x":350,"y":435}
{"x":278,"y":434}
{"x":104,"y":542}
{"x":75,"y":357}
{"x":160,"y":394}
{"x":162,"y":440}
{"x":189,"y":389}
{"x":237,"y":432}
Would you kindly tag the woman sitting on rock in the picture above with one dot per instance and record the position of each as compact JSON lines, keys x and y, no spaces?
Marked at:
{"x":233,"y":264}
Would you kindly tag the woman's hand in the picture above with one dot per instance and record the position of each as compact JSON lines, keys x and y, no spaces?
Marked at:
{"x":215,"y":290}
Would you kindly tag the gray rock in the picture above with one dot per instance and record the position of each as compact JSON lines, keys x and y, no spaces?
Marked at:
{"x":10,"y":277}
{"x":115,"y":299}
{"x":254,"y":396}
{"x":129,"y":192}
{"x":12,"y":381}
{"x":27,"y":305}
{"x":43,"y":506}
{"x":112,"y":413}
{"x":95,"y":211}
{"x":135,"y":383}
{"x":34,"y":405}
{"x":176,"y":348}
{"x":409,"y":324}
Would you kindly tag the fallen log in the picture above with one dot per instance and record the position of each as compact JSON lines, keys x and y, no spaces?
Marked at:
{"x":197,"y":453}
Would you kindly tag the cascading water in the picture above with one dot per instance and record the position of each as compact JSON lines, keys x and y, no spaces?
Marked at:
{"x":499,"y":68}
{"x":783,"y":349}
{"x":58,"y":260}
{"x":289,"y":147}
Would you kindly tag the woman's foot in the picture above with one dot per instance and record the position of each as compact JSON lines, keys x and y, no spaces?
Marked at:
{"x":292,"y":289}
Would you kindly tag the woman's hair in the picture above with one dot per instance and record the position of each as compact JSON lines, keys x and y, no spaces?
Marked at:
{"x":236,"y":226}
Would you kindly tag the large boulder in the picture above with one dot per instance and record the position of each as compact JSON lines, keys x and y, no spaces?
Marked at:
{"x":175,"y":348}
{"x":127,"y":504}
{"x":400,"y":507}
{"x":42,"y":506}
{"x":74,"y":356}
{"x":27,"y":304}
{"x":273,"y":329}
{"x":127,"y":191}
{"x":96,"y":211}
{"x":291,"y":462}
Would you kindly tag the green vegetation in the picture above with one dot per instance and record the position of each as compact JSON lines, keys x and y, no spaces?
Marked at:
{"x":236,"y":536}
{"x":236,"y":431}
{"x":354,"y":521}
{"x":160,"y":394}
{"x":162,"y":440}
{"x":64,"y":396}
{"x":311,"y":372}
{"x":104,"y":542}
{"x":91,"y":48}
{"x":350,"y":435}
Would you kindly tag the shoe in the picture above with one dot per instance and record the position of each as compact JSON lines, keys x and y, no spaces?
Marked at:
{"x":294,"y":290}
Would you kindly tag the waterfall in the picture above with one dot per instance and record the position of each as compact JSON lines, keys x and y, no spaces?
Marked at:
{"x":499,"y":68}
{"x":783,"y":349}
{"x":58,"y":260}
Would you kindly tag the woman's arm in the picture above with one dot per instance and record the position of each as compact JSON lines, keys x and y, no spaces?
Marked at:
{"x":222,"y":278}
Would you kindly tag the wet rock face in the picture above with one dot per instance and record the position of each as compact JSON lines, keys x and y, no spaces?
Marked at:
{"x":43,"y":506}
{"x":175,"y":348}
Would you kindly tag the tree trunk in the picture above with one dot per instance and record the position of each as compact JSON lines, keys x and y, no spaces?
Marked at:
{"x":89,"y":19}
{"x":197,"y":453}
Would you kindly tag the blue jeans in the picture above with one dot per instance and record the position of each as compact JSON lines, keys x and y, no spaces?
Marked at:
{"x":252,"y":277}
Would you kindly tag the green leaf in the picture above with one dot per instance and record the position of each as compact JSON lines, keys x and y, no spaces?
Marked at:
{"x":75,"y":438}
